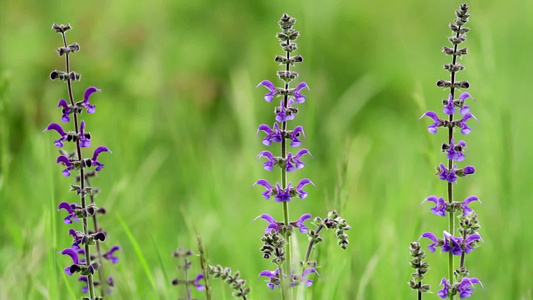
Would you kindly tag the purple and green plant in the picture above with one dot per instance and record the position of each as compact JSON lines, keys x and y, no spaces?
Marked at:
{"x":277,"y":236}
{"x":457,"y":281}
{"x":84,"y":260}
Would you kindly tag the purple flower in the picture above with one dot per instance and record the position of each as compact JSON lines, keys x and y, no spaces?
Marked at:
{"x":440,"y":205}
{"x":464,"y":287}
{"x":455,"y":154}
{"x":465,"y":129}
{"x":449,"y":176}
{"x":86,"y":104}
{"x":199,"y":287}
{"x":75,"y":259}
{"x":109,"y":255}
{"x":270,"y":274}
{"x":273,"y":135}
{"x":63,"y":159}
{"x":449,"y":109}
{"x":295,"y":142}
{"x":300,"y":222}
{"x":452,"y":244}
{"x":76,"y":236}
{"x":433,"y":238}
{"x":289,"y":166}
{"x":300,"y":164}
{"x":85,"y":288}
{"x":283,"y":195}
{"x":54,"y":126}
{"x":84,"y":141}
{"x":97,"y":152}
{"x":270,"y":86}
{"x":268,"y":193}
{"x":306,"y":273}
{"x":443,"y":293}
{"x":66,"y":110}
{"x":437,"y":122}
{"x":464,"y":205}
{"x":272,"y":223}
{"x":469,"y":170}
{"x":284,"y":114}
{"x":299,"y":98}
{"x":270,"y":163}
{"x":302,"y":194}
{"x":462,"y":98}
{"x":70,"y":209}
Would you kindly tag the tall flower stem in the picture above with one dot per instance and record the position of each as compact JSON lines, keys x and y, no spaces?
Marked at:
{"x":101,"y":274}
{"x":310,"y":247}
{"x":82,"y":173}
{"x":451,"y":227}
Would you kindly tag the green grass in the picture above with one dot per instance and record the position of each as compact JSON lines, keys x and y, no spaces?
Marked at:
{"x":179,"y":110}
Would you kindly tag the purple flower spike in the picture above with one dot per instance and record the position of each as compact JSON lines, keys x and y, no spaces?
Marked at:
{"x":440,"y":205}
{"x":437,"y":122}
{"x":453,"y":153}
{"x":443,"y":293}
{"x":63,"y":159}
{"x":54,"y":126}
{"x":272,"y":223}
{"x":269,"y":164}
{"x":299,"y":98}
{"x":449,"y":109}
{"x":88,"y":92}
{"x":71,"y":213}
{"x":465,"y":129}
{"x":465,"y":109}
{"x":302,"y":194}
{"x":464,"y":287}
{"x":433,"y":238}
{"x":268,"y":193}
{"x":300,"y":222}
{"x":84,"y":141}
{"x":295,"y":141}
{"x":300,"y":164}
{"x":270,"y":86}
{"x":283,"y":195}
{"x":273,"y":135}
{"x":66,"y":110}
{"x":97,"y":152}
{"x":289,"y":167}
{"x":199,"y":287}
{"x":464,"y":205}
{"x":85,"y":288}
{"x":109,"y":255}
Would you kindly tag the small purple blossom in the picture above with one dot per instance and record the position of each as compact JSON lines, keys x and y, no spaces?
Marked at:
{"x":299,"y":98}
{"x":75,"y":259}
{"x":295,"y":141}
{"x":270,"y":274}
{"x":289,"y":166}
{"x":301,"y":193}
{"x":63,"y":159}
{"x":273,"y":135}
{"x":300,"y":164}
{"x":70,"y":209}
{"x":306,"y":273}
{"x":453,"y":153}
{"x":437,"y":122}
{"x":268,"y":193}
{"x":109,"y":255}
{"x":97,"y":152}
{"x":443,"y":293}
{"x":283,"y":195}
{"x":271,"y":160}
{"x":465,"y":109}
{"x":271,"y":222}
{"x":449,"y":176}
{"x":76,"y":236}
{"x":469,"y":170}
{"x":284,"y":114}
{"x":449,"y":109}
{"x":431,"y":237}
{"x":54,"y":126}
{"x":464,"y":205}
{"x":440,"y":205}
{"x":465,"y":129}
{"x":88,"y":92}
{"x":300,"y":222}
{"x":199,"y":287}
{"x":65,"y":110}
{"x":464,"y":287}
{"x":272,"y":90}
{"x":454,"y":244}
{"x":85,"y":288}
{"x":85,"y":142}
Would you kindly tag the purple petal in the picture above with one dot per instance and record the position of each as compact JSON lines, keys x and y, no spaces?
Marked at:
{"x":469,"y":170}
{"x":88,"y":93}
{"x":266,"y":217}
{"x":56,"y":127}
{"x":465,"y":95}
{"x":309,"y":271}
{"x":199,"y":287}
{"x":66,"y":206}
{"x":99,"y":150}
{"x":72,"y":253}
{"x":431,"y":115}
{"x":465,"y":109}
{"x":64,"y":159}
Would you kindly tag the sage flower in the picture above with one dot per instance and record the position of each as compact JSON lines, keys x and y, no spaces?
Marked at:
{"x":65,"y":110}
{"x":299,"y":98}
{"x":97,"y":152}
{"x":273,"y":135}
{"x":88,"y":92}
{"x":54,"y":126}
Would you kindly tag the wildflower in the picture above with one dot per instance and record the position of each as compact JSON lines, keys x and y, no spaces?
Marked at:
{"x":54,"y":126}
{"x":437,"y":122}
{"x":300,"y":164}
{"x":431,"y":237}
{"x":449,"y":109}
{"x":443,"y":293}
{"x":453,"y":244}
{"x":299,"y":98}
{"x":440,"y":205}
{"x":295,"y":142}
{"x":272,"y":224}
{"x":70,"y":209}
{"x":301,"y":193}
{"x":464,"y":287}
{"x":85,"y":288}
{"x":464,"y":205}
{"x":300,"y":222}
{"x":455,"y":152}
{"x":449,"y":176}
{"x":269,"y":164}
{"x":465,"y":129}
{"x":109,"y":255}
{"x":464,"y":109}
{"x":274,"y":277}
{"x":289,"y":166}
{"x":469,"y":170}
{"x":284,"y":114}
{"x":63,"y":159}
{"x":199,"y":287}
{"x":272,"y":90}
{"x":66,"y":110}
{"x":97,"y":152}
{"x":283,"y":195}
{"x":88,"y":92}
{"x":306,"y":273}
{"x":85,"y":140}
{"x":273,"y":135}
{"x":267,"y":186}
{"x":75,"y":259}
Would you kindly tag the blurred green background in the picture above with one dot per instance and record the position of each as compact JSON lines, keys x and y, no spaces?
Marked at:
{"x":179,"y":110}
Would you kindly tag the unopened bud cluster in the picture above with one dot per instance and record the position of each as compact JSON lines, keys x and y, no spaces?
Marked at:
{"x":420,"y":266}
{"x":233,"y":280}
